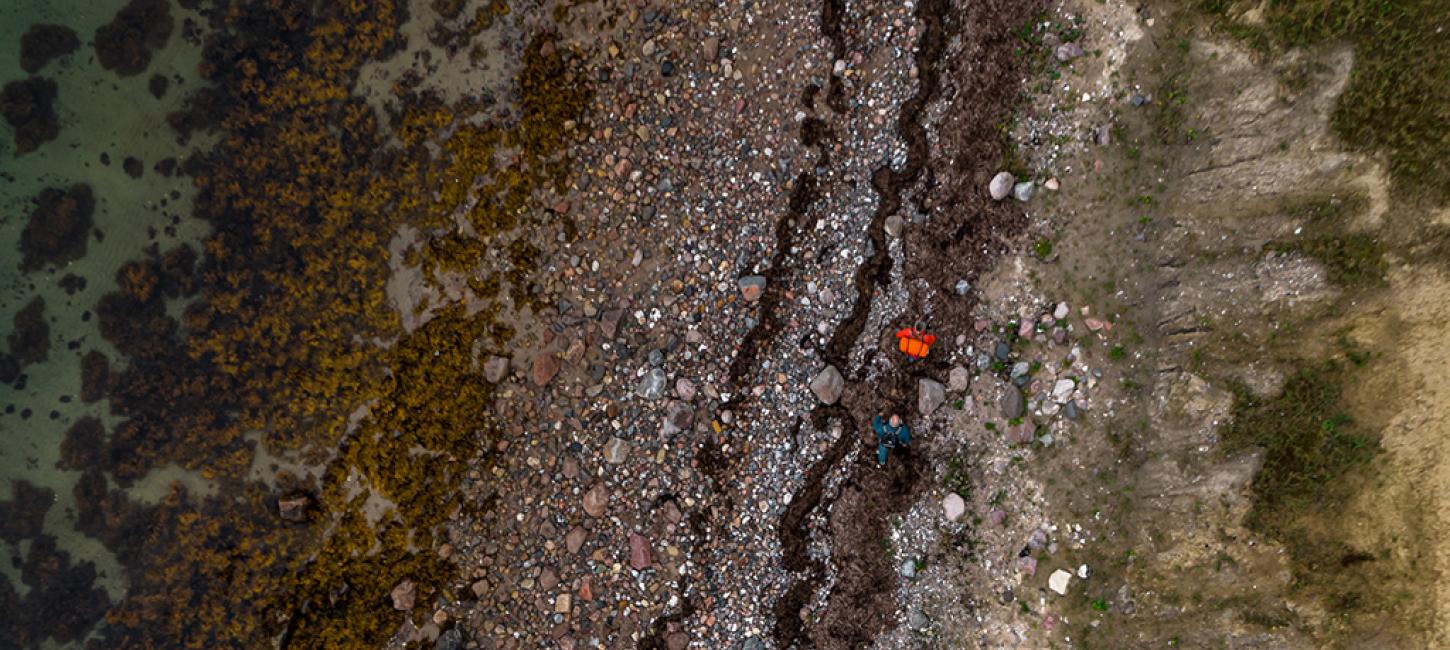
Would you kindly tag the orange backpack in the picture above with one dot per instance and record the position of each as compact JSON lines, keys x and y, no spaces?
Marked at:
{"x":915,"y":343}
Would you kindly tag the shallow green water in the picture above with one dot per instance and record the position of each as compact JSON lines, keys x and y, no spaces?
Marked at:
{"x":100,"y":113}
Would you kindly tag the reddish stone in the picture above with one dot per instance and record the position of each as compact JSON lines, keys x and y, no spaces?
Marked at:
{"x":545,"y":367}
{"x":1027,"y":565}
{"x":586,"y":589}
{"x":575,"y":539}
{"x":677,"y":641}
{"x":404,"y":595}
{"x":639,"y":552}
{"x":672,"y":512}
{"x":609,"y":322}
{"x":596,"y":500}
{"x":1019,"y":434}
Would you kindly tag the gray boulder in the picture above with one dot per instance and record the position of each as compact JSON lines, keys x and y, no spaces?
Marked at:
{"x":452,"y":639}
{"x":1013,"y":406}
{"x":930,"y":395}
{"x":1001,"y":185}
{"x":828,"y":385}
{"x":1023,"y":191}
{"x":893,"y":225}
{"x":907,"y":569}
{"x":1062,"y":390}
{"x":495,"y":368}
{"x":752,"y":287}
{"x":958,"y":379}
{"x":652,"y":384}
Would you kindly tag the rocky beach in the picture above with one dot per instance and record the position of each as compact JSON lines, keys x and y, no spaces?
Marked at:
{"x":564,"y":324}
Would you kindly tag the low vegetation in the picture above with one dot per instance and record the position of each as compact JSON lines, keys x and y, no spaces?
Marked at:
{"x":1350,"y":259}
{"x":1309,"y":443}
{"x":1397,"y":101}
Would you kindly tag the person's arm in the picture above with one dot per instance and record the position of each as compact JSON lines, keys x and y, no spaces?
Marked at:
{"x":877,"y":425}
{"x":904,"y":436}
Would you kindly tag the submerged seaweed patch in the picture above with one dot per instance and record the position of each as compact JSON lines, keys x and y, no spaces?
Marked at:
{"x":58,"y":227}
{"x":95,"y":376}
{"x":83,"y":444}
{"x":45,"y":42}
{"x":126,"y":44}
{"x":29,"y":337}
{"x":63,"y":601}
{"x":23,"y":515}
{"x":28,"y":106}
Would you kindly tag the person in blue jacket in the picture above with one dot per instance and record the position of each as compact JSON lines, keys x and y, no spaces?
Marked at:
{"x":890,"y":433}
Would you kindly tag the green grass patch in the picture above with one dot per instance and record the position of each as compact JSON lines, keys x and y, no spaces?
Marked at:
{"x":1314,"y":464}
{"x":1167,"y":114}
{"x":1398,"y":99}
{"x":1350,"y":260}
{"x":1311,"y":453}
{"x":957,"y":478}
{"x":1042,"y":248}
{"x":1309,"y":441}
